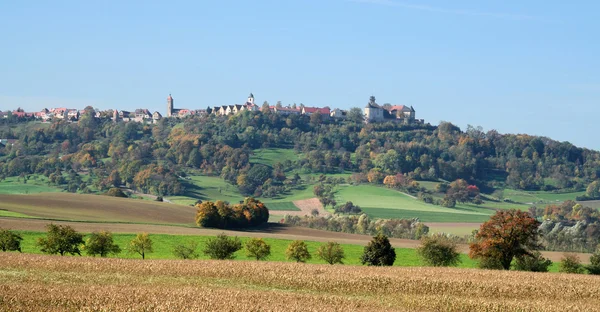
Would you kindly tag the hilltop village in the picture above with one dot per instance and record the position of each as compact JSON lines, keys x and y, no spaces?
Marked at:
{"x":373,"y":112}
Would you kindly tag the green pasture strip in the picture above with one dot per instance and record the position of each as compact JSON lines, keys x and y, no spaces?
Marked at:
{"x":424,"y":216}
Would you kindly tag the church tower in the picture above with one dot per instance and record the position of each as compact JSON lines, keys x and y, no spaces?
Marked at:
{"x":251,"y":99}
{"x":169,"y":106}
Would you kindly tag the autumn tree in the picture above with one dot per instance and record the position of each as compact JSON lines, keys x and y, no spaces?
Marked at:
{"x":379,"y":252}
{"x":331,"y":253}
{"x":508,"y":234}
{"x":257,"y":248}
{"x":570,"y":263}
{"x":10,"y":241}
{"x":61,"y":239}
{"x":297,"y":251}
{"x":141,"y":245}
{"x":102,"y":244}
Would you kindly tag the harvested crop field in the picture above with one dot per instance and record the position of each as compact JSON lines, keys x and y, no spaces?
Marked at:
{"x":305,"y":208}
{"x":54,"y":283}
{"x":78,"y":207}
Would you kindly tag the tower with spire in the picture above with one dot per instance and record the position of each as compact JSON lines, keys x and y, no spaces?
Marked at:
{"x":251,"y":99}
{"x":169,"y":106}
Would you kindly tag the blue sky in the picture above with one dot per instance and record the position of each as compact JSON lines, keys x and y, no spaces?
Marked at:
{"x":515,"y":66}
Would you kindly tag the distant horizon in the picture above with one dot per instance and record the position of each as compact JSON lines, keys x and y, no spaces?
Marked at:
{"x":517,"y":67}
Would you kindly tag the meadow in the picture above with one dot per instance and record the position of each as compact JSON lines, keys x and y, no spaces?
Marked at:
{"x":54,"y":283}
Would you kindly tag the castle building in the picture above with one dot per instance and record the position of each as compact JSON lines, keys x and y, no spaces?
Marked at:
{"x":396,"y":113}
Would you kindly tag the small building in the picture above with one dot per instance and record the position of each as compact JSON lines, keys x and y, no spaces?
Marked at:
{"x":156,"y":116}
{"x":287,"y":111}
{"x":311,"y":110}
{"x":338,"y":113}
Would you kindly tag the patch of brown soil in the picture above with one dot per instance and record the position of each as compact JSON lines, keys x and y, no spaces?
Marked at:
{"x":306,"y":206}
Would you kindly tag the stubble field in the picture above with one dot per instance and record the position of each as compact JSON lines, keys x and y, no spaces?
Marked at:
{"x":54,"y":283}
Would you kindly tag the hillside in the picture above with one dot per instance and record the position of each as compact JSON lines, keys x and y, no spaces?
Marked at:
{"x":281,"y":159}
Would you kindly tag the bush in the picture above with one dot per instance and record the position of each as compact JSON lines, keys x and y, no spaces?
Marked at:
{"x":379,"y":252}
{"x":490,"y":264}
{"x":570,"y":263}
{"x":297,"y":251}
{"x":331,"y":253}
{"x":116,"y":192}
{"x":257,"y":248}
{"x":186,"y":251}
{"x":594,"y":266}
{"x":102,"y":244}
{"x":348,"y":207}
{"x":438,"y":250}
{"x":10,"y":241}
{"x":61,"y":239}
{"x":222,"y":247}
{"x":532,"y":263}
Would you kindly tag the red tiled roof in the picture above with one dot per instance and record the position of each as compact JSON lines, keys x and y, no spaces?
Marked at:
{"x":312,"y":110}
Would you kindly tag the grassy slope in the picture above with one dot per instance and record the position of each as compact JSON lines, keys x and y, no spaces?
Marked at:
{"x":11,"y":185}
{"x":271,"y":156}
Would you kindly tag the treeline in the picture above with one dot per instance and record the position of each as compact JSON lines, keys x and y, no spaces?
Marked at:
{"x":153,"y":157}
{"x":222,"y":215}
{"x":398,"y":228}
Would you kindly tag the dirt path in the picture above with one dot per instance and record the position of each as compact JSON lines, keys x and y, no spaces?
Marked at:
{"x":272,"y":231}
{"x":306,"y":206}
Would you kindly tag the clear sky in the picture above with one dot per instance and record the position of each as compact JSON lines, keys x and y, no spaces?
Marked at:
{"x":515,"y":66}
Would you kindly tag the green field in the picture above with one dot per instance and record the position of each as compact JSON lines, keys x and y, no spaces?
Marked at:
{"x":539,"y":197}
{"x":163,"y":249}
{"x":379,"y":202}
{"x":207,"y":188}
{"x":15,"y":185}
{"x":271,"y":156}
{"x":282,"y":206}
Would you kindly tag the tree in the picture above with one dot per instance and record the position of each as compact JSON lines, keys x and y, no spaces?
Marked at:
{"x":507,"y":234}
{"x":379,"y":252}
{"x":534,"y":263}
{"x":297,"y":251}
{"x":570,"y":263}
{"x":594,"y":266}
{"x":438,"y":250}
{"x":331,"y":253}
{"x":593,"y":190}
{"x":222,"y":247}
{"x":257,"y":248}
{"x":10,"y":241}
{"x":186,"y":251}
{"x":101,"y":243}
{"x":61,"y":239}
{"x":141,"y":244}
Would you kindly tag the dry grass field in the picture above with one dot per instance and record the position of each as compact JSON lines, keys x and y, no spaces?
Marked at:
{"x":54,"y":283}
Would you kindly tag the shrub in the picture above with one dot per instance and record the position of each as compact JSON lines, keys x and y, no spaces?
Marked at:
{"x":532,"y":263}
{"x":101,"y":243}
{"x":186,"y":251}
{"x":61,"y":239}
{"x":331,"y":253}
{"x":594,"y":266}
{"x":297,"y":251}
{"x":10,"y":241}
{"x":222,"y":247}
{"x":438,"y":250}
{"x":257,"y":248}
{"x":570,"y":263}
{"x":141,"y":245}
{"x":379,"y":252}
{"x":115,"y":192}
{"x":490,"y":264}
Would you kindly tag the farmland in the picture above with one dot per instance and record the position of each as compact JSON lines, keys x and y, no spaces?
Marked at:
{"x":53,"y":283}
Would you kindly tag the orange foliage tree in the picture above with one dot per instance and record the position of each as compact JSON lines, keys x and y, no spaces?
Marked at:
{"x":221,"y":215}
{"x":508,"y":234}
